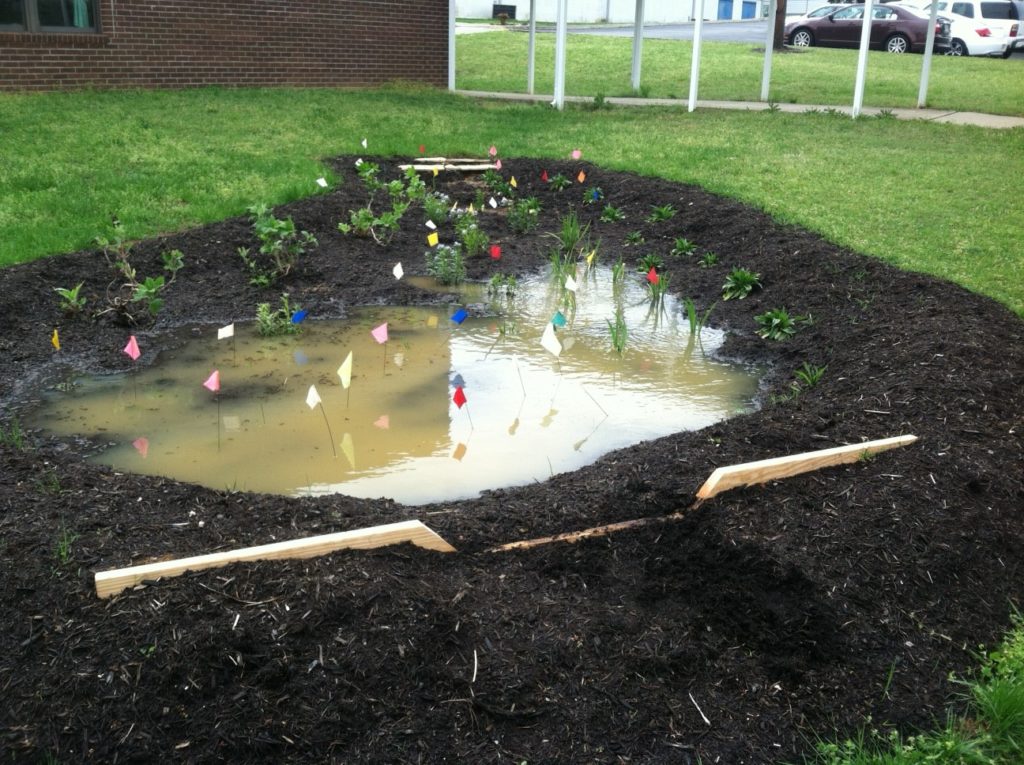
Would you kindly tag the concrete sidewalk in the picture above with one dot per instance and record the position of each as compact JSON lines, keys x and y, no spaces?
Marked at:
{"x":930,"y":115}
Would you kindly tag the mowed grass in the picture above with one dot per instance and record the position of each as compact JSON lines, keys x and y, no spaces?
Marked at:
{"x":940,"y":199}
{"x":496,"y":61}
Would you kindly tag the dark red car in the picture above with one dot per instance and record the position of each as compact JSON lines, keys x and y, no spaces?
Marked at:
{"x":893,"y":28}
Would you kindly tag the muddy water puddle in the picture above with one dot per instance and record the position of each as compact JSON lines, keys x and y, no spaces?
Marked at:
{"x":397,"y":430}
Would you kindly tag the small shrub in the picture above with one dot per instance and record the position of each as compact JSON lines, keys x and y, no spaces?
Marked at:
{"x":270,"y":323}
{"x":436,"y":206}
{"x":739,"y":283}
{"x":446,"y":264}
{"x":570,"y":234}
{"x":708,"y":259}
{"x":122,"y":298}
{"x":777,"y":324}
{"x":280,"y":242}
{"x":662,"y":213}
{"x":474,"y":239}
{"x":634,"y":239}
{"x":497,"y":184}
{"x":71,"y":299}
{"x":612,"y":214}
{"x":559,"y":182}
{"x":682,"y":246}
{"x":524,"y":215}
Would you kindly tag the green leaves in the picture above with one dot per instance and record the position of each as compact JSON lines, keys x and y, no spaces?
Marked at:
{"x":739,"y":283}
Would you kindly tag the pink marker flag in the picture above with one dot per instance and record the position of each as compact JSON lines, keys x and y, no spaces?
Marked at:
{"x":383,"y":422}
{"x":652,"y":276}
{"x":493,"y":151}
{"x":380,"y":334}
{"x":497,"y":164}
{"x":576,"y":153}
{"x":460,"y":397}
{"x":132,"y":349}
{"x":141,"y":445}
{"x":212,"y":383}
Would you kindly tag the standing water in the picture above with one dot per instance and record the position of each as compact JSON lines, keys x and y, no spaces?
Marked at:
{"x":397,"y":431}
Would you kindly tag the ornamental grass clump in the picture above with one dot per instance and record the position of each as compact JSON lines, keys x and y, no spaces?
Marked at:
{"x":739,"y":283}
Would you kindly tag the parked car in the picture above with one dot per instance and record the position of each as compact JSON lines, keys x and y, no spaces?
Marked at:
{"x":821,"y":10}
{"x":896,"y":29}
{"x":1001,"y":18}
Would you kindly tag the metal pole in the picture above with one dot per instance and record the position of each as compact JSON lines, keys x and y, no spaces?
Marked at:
{"x":769,"y":49}
{"x":531,"y":64}
{"x":862,"y":57}
{"x":638,"y":39}
{"x":926,"y":66}
{"x":451,"y":44}
{"x":698,"y":32}
{"x":560,"y":39}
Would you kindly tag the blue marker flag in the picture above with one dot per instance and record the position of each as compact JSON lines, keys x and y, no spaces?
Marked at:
{"x":596,"y":195}
{"x":460,"y":316}
{"x":298,"y":316}
{"x":558,"y":319}
{"x":458,"y":382}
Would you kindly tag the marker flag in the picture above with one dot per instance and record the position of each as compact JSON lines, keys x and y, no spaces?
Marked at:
{"x":576,"y":153}
{"x":398,"y":271}
{"x":492,"y":202}
{"x":432,"y":239}
{"x":141,"y":445}
{"x":544,"y":176}
{"x":363,"y":143}
{"x":460,"y":397}
{"x":496,"y":252}
{"x":460,"y":452}
{"x":298,"y":316}
{"x":590,"y":257}
{"x":321,"y":182}
{"x":55,"y":340}
{"x":470,"y":209}
{"x":434,"y":170}
{"x":132,"y":349}
{"x":349,"y":450}
{"x":497,"y":164}
{"x":652,"y":276}
{"x":548,"y":340}
{"x":212,"y":383}
{"x":383,"y":422}
{"x":345,"y":371}
{"x":458,"y":381}
{"x":431,"y":225}
{"x":225,"y":332}
{"x":380,"y":334}
{"x":423,"y":149}
{"x":312,"y":398}
{"x":595,"y":195}
{"x":493,"y":151}
{"x":513,"y":183}
{"x":570,"y":283}
{"x":460,"y":316}
{"x":359,"y":162}
{"x":432,"y":322}
{"x":558,"y":319}
{"x":581,"y":177}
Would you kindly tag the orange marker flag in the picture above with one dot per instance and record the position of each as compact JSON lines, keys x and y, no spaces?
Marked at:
{"x":581,"y":177}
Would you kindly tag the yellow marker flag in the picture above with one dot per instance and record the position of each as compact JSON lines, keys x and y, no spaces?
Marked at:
{"x":345,"y":371}
{"x":432,"y":322}
{"x":471,"y":210}
{"x":55,"y":340}
{"x":590,"y":257}
{"x":513,"y":183}
{"x":435,"y":171}
{"x":349,"y":450}
{"x":432,"y":239}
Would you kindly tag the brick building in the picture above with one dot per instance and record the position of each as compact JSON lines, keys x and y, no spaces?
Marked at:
{"x":64,"y":44}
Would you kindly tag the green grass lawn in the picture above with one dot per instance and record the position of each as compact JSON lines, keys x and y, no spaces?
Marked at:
{"x":496,"y":61}
{"x":941,"y":199}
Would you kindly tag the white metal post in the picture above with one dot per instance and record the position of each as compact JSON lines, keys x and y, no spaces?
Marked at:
{"x":862,"y":58}
{"x":531,"y":64}
{"x":926,"y":66}
{"x":698,"y":32}
{"x":769,"y":49}
{"x":560,"y":38}
{"x":638,"y":39}
{"x":451,"y":44}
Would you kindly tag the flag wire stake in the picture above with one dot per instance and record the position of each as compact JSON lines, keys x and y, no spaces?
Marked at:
{"x":329,"y":433}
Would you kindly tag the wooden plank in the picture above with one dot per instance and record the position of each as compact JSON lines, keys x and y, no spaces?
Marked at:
{"x":111,"y":582}
{"x":465,"y":168}
{"x":749,"y":473}
{"x":575,"y":536}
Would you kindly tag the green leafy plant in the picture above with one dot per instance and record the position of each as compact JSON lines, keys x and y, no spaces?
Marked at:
{"x":661,"y":213}
{"x":272,"y":322}
{"x":478,"y":199}
{"x":12,"y":435}
{"x":502,"y":286}
{"x":497,"y":184}
{"x":809,"y":375}
{"x":446,"y":264}
{"x":148,"y":292}
{"x":122,"y":297}
{"x":524,"y":215}
{"x":739,"y":283}
{"x":62,"y":548}
{"x":71,"y":299}
{"x":649,"y":261}
{"x":383,"y":225}
{"x":473,"y":238}
{"x":593,"y":195}
{"x":436,"y":206}
{"x":618,"y":331}
{"x":657,"y":289}
{"x":612,"y":214}
{"x":708,"y":259}
{"x":634,"y":239}
{"x":559,"y":182}
{"x":570,"y":234}
{"x":618,"y":272}
{"x":682,"y":246}
{"x":697,"y":323}
{"x":281,"y":244}
{"x":777,"y":324}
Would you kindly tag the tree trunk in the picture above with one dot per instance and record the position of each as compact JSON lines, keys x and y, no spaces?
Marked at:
{"x":780,"y":24}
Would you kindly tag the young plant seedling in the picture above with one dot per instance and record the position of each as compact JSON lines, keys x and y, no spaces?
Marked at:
{"x":121,"y":298}
{"x":559,"y":182}
{"x":633,"y":239}
{"x":270,"y":323}
{"x":612,"y":214}
{"x":708,"y":259}
{"x":593,"y":195}
{"x":682,"y":246}
{"x":777,"y":324}
{"x":739,"y":283}
{"x":71,"y":299}
{"x":662,"y":213}
{"x":619,"y":333}
{"x":649,"y":261}
{"x":524,"y":215}
{"x":446,"y":264}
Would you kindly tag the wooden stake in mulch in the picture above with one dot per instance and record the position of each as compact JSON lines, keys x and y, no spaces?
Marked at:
{"x":730,"y":477}
{"x":762,"y":471}
{"x":112,"y":582}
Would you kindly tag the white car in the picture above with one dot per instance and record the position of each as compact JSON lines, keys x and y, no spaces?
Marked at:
{"x":992,"y":28}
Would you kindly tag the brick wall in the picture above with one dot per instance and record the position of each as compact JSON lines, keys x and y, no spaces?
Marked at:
{"x":186,"y":43}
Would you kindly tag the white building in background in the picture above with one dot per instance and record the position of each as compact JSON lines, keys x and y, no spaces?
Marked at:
{"x":616,"y":11}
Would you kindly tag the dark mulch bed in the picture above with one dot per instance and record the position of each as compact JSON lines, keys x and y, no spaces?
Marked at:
{"x":780,"y":610}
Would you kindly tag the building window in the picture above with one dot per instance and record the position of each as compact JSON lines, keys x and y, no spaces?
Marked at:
{"x":48,"y":15}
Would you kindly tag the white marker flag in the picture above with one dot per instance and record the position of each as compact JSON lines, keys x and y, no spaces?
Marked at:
{"x":225,"y":332}
{"x":398,"y":271}
{"x":549,"y":341}
{"x":312,"y":398}
{"x":570,"y":283}
{"x":321,"y":182}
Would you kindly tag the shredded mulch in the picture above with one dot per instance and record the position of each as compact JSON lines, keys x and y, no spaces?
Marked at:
{"x":737,"y":634}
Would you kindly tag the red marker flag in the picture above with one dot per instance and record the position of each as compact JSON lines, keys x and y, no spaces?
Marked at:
{"x":544,"y":175}
{"x":423,"y":149}
{"x":652,"y":276}
{"x":496,"y":251}
{"x":460,"y":397}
